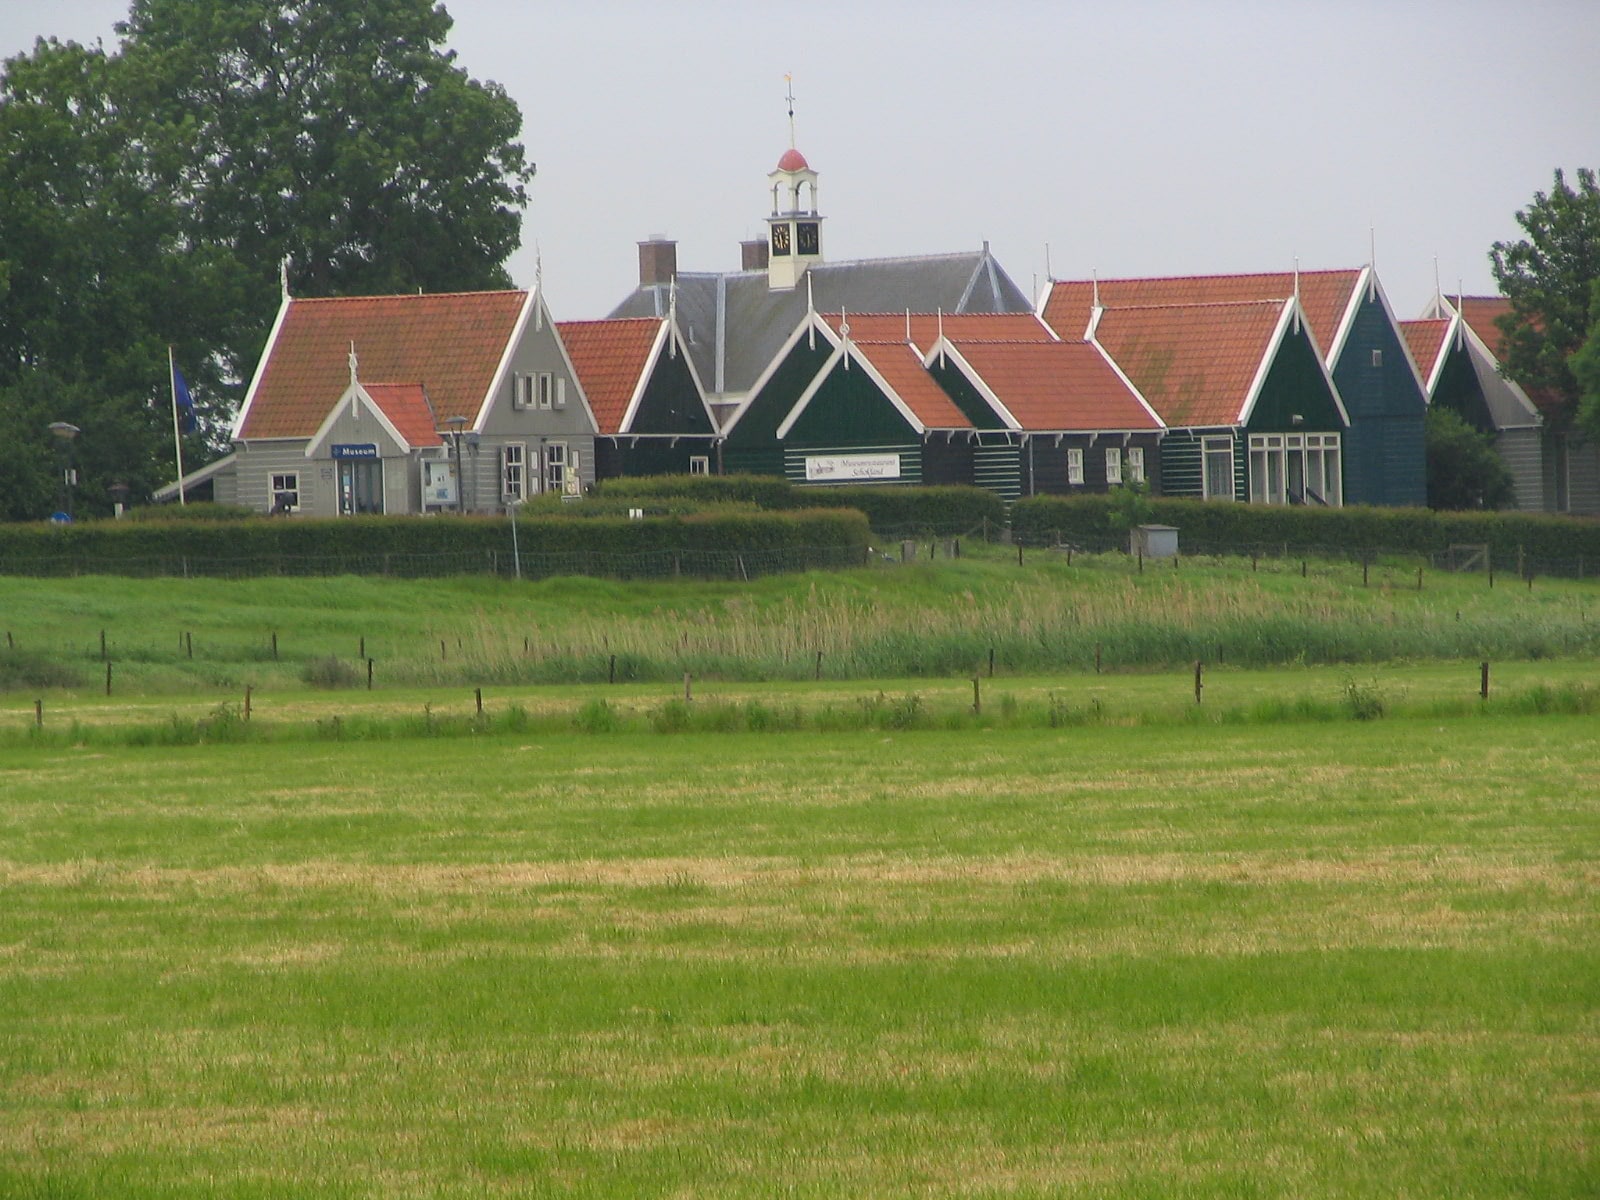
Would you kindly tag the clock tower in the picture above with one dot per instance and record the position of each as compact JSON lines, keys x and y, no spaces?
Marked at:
{"x":794,"y":230}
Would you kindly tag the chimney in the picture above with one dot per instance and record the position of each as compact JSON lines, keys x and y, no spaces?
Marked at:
{"x":753,"y":255}
{"x":658,"y":261}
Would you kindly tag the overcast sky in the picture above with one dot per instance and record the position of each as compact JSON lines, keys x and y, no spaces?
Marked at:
{"x":1132,"y":138}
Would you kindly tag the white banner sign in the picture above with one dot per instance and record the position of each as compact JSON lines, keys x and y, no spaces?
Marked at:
{"x":838,"y":468}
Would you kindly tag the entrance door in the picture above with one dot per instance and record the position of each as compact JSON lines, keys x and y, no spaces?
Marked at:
{"x":360,"y":486}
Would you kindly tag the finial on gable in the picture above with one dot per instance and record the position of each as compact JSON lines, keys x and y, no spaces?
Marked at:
{"x":1297,"y":293}
{"x":283,"y":275}
{"x":353,"y":366}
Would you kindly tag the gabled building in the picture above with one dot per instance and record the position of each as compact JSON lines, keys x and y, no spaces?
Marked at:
{"x":408,"y":404}
{"x":1072,"y":422}
{"x":1570,"y":463}
{"x":1357,"y":335}
{"x":1250,"y":410}
{"x":736,"y":323}
{"x":650,"y":411}
{"x":1461,"y":374}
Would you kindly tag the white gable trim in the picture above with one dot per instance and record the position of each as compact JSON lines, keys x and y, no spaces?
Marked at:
{"x":1536,"y":418}
{"x":503,"y":368}
{"x":1400,"y":334}
{"x":812,"y":322}
{"x":945,"y":347}
{"x":261,"y":369}
{"x":663,"y":332}
{"x":1347,"y":321}
{"x":1292,"y":314}
{"x":572,"y":374}
{"x":839,"y":355}
{"x":1161,"y":426}
{"x":355,"y":395}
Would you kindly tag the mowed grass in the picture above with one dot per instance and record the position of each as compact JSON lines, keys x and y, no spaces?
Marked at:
{"x":1351,"y":959}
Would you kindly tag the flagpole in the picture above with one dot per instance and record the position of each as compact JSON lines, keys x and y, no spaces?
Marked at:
{"x":177,"y":439}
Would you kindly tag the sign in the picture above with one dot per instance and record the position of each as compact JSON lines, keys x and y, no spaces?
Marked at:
{"x":348,"y":450}
{"x":438,"y":482}
{"x":848,"y":468}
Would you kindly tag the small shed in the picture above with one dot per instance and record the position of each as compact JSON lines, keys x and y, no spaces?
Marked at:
{"x":1155,"y":541}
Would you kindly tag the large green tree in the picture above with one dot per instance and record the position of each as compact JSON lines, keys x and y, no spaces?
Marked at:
{"x":148,"y":196}
{"x":1549,"y":277}
{"x":1464,"y":472}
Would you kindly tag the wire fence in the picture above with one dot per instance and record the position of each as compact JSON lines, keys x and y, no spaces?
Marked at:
{"x":657,"y":564}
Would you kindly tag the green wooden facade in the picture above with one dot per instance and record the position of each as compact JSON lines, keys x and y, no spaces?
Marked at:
{"x":1385,"y":459}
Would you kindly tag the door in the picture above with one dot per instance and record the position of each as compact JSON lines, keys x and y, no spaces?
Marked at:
{"x":360,"y":486}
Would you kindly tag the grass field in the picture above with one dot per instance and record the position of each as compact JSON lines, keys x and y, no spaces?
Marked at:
{"x":1350,"y":958}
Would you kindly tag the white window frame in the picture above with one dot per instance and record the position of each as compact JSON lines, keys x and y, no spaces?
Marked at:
{"x":1136,"y":464}
{"x":699,"y":464}
{"x":547,"y":387}
{"x":1216,"y":448}
{"x":1290,"y":468}
{"x":555,"y":466}
{"x":1113,"y":465}
{"x":561,"y":391}
{"x":1075,"y":465}
{"x":514,"y":472}
{"x":521,"y":391}
{"x":276,"y":487}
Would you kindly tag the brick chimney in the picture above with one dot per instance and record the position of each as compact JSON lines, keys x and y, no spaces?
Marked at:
{"x":658,"y":261}
{"x":753,"y":255}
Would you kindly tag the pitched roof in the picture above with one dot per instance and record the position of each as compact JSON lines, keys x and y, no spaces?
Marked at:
{"x":1426,"y":339}
{"x":902,"y":369}
{"x":1324,"y":296}
{"x":926,"y":327}
{"x":735,"y":323}
{"x":1194,"y":363}
{"x":407,"y":408}
{"x":449,"y":343}
{"x":1056,"y":385}
{"x":609,"y":357}
{"x":1480,"y":313}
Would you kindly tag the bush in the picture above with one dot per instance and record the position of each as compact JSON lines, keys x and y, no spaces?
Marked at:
{"x":329,"y":672}
{"x":201,"y":510}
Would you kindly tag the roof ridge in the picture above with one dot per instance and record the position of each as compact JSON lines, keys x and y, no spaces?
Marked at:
{"x":1209,"y":275}
{"x":1273,"y":300}
{"x":408,"y":296}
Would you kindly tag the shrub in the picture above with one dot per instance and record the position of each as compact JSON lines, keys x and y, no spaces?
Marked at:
{"x":329,"y":672}
{"x":28,"y":669}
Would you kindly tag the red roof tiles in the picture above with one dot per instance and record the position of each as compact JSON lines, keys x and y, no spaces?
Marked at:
{"x":406,"y":405}
{"x":609,"y":357}
{"x":1056,"y":385}
{"x":926,"y":327}
{"x":1480,"y":312}
{"x":1324,"y":295}
{"x":1426,"y":340}
{"x":1193,"y":363}
{"x":451,"y":344}
{"x":901,"y":367}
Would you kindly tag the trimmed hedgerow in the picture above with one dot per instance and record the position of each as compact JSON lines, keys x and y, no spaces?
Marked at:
{"x":699,"y":543}
{"x":1216,"y":526}
{"x":925,"y":510}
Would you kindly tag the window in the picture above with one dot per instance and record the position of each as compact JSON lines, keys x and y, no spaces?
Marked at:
{"x":1295,"y":468}
{"x":522,"y":391}
{"x":699,"y":464}
{"x":1114,"y":465}
{"x":555,"y":466}
{"x":547,"y":383}
{"x":1217,"y":453}
{"x":561,"y":392}
{"x":513,"y":476}
{"x":1136,"y":464}
{"x":1377,"y":358}
{"x":1075,"y":465}
{"x":285,"y":492}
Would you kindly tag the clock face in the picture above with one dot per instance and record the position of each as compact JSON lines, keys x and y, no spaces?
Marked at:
{"x":806,"y":239}
{"x":780,"y":239}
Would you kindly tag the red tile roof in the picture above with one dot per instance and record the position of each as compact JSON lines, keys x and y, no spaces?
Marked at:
{"x":1325,"y":295}
{"x":406,"y":405}
{"x":609,"y":357}
{"x":450,"y":343}
{"x":1057,"y":385}
{"x":901,"y":367}
{"x":1426,"y":341}
{"x":925,"y":327}
{"x":1193,"y":363}
{"x":1480,"y":313}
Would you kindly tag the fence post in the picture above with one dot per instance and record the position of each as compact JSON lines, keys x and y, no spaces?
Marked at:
{"x":274,"y":645}
{"x":102,"y":645}
{"x":369,"y":674}
{"x":611,"y":671}
{"x":188,"y":644}
{"x":819,"y":665}
{"x":688,"y":694}
{"x":991,"y":662}
{"x":1198,"y":685}
{"x":1097,"y":658}
{"x":977,"y":698}
{"x":247,"y":702}
{"x":477,"y":695}
{"x":38,"y":714}
{"x":108,"y":678}
{"x":1483,"y":682}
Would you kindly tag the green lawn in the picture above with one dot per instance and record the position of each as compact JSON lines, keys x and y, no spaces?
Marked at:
{"x":1310,"y":958}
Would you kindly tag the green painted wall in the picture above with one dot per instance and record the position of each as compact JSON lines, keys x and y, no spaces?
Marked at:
{"x":1295,"y":386}
{"x":966,"y":397}
{"x":757,"y":428}
{"x":849,"y":409}
{"x":1385,"y":461}
{"x":670,"y":403}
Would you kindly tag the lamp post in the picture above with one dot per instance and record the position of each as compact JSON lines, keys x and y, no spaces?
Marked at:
{"x":516,"y":551}
{"x":69,"y":470}
{"x":454,"y":433}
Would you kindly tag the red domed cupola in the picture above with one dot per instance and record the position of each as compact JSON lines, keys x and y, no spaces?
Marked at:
{"x":793,"y":160}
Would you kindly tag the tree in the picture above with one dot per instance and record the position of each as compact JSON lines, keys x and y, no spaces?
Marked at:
{"x":1464,"y":472}
{"x":148,"y":196}
{"x":1549,"y":277}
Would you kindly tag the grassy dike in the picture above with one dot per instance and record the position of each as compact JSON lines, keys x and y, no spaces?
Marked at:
{"x":1352,"y":959}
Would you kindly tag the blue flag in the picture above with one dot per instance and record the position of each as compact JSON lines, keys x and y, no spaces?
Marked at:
{"x":182,"y":402}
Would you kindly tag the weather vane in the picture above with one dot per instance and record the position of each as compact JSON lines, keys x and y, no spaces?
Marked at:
{"x":789,"y":79}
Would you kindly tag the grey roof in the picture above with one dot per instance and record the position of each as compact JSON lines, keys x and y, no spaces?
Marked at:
{"x":1509,"y":407}
{"x":735,"y":323}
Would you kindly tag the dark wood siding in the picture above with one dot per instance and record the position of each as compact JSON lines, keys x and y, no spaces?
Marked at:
{"x":946,"y":461}
{"x":1384,"y":458}
{"x":670,"y":403}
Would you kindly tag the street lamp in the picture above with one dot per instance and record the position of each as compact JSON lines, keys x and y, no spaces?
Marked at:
{"x":69,"y":471}
{"x":454,"y":433}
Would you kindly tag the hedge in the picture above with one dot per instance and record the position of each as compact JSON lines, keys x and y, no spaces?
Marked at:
{"x":725,"y":543}
{"x":945,"y":511}
{"x":1552,"y":541}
